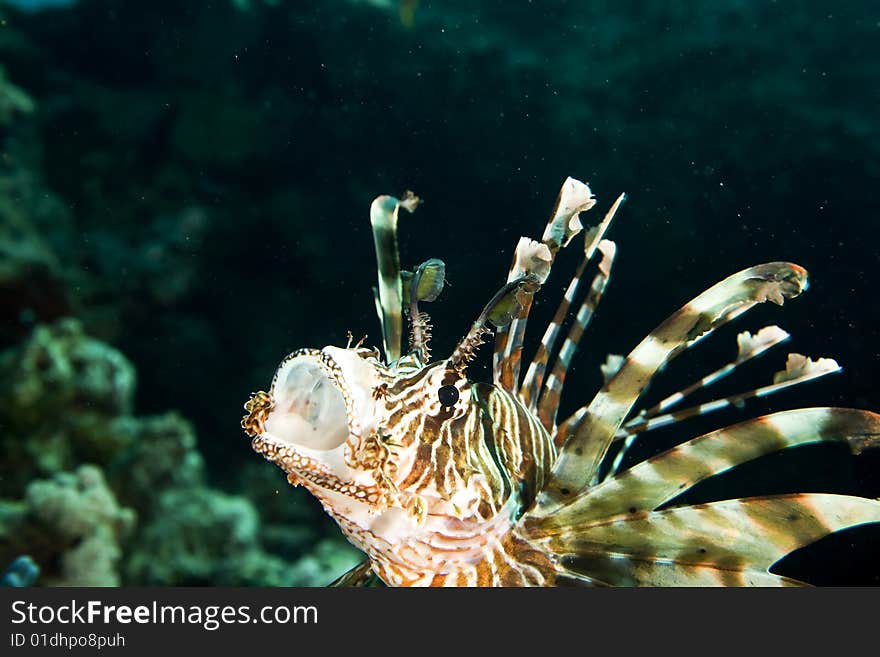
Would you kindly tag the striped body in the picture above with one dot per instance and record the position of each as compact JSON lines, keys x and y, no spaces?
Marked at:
{"x":442,"y":481}
{"x":443,"y":485}
{"x":475,"y":468}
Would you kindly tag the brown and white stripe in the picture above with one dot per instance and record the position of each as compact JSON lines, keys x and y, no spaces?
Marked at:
{"x":583,"y":452}
{"x":656,"y":481}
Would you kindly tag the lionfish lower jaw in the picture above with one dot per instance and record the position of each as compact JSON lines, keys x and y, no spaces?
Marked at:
{"x":305,"y":469}
{"x":278,"y":450}
{"x":299,"y":461}
{"x":288,"y":458}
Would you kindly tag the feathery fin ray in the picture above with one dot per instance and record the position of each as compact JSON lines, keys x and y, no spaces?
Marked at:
{"x":586,"y":446}
{"x":548,"y":405}
{"x":732,"y":542}
{"x":564,"y":223}
{"x":529,"y":393}
{"x":652,"y":483}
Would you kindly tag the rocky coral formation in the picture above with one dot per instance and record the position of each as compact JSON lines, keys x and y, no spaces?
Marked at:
{"x":142,"y":511}
{"x":72,"y":526}
{"x":206,"y":537}
{"x":52,"y":388}
{"x":160,"y":454}
{"x":66,"y":397}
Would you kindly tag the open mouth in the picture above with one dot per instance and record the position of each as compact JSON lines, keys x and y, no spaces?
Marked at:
{"x":309,"y":410}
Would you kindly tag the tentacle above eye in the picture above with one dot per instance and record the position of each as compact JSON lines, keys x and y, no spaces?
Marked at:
{"x":389,"y":293}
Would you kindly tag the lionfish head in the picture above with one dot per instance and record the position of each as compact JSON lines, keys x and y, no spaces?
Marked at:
{"x":334,"y":419}
{"x":345,"y":422}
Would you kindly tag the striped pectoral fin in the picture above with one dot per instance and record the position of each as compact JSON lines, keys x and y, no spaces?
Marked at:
{"x":586,"y":447}
{"x":799,"y":369}
{"x":733,"y":542}
{"x":749,"y":347}
{"x":626,"y":570}
{"x":652,"y":483}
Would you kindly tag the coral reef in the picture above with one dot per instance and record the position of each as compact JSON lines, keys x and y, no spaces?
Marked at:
{"x":53,"y":387}
{"x":161,"y":454}
{"x":72,"y":523}
{"x":140,"y":511}
{"x":206,"y":537}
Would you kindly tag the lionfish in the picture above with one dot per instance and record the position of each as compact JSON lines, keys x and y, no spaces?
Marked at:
{"x":443,"y":481}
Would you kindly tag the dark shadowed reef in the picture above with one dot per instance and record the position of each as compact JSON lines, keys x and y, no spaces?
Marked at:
{"x":184,"y":190}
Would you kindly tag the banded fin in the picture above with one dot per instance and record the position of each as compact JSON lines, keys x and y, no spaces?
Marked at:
{"x":804,"y":369}
{"x":548,"y":405}
{"x":652,"y":483}
{"x":574,"y":197}
{"x":590,"y":439}
{"x":748,"y":347}
{"x":534,"y":379}
{"x":728,"y":543}
{"x":535,"y":374}
{"x":623,"y":570}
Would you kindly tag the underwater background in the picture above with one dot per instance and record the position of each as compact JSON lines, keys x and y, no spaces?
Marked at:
{"x":184,"y":195}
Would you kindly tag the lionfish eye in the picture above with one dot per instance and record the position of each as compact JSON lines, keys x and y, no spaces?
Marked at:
{"x":447,"y":395}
